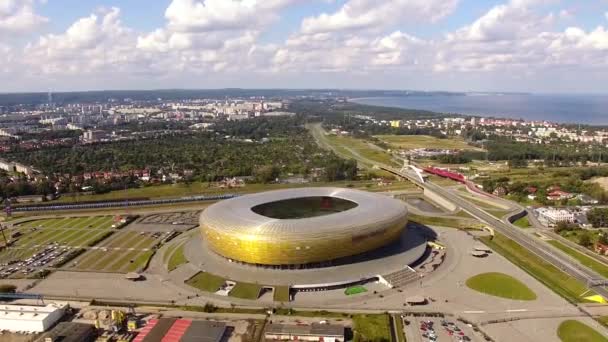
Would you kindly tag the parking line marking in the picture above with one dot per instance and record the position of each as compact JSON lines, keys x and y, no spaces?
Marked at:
{"x":517,"y":310}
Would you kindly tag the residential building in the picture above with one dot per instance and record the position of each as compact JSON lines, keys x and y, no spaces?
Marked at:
{"x":552,"y":216}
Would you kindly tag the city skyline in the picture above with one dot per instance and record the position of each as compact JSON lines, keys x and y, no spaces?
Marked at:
{"x":541,"y":46}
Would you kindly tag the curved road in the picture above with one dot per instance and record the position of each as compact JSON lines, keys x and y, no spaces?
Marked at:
{"x":544,"y":251}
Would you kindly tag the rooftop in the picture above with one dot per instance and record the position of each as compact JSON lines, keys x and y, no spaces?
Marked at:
{"x":315,"y":329}
{"x":28,"y":312}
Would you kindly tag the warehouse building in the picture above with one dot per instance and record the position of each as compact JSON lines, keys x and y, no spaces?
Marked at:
{"x":312,"y":332}
{"x":181,"y":330}
{"x":29,"y":318}
{"x":70,"y":332}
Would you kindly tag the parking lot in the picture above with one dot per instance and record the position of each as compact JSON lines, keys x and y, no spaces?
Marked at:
{"x":163,"y":222}
{"x":126,"y":251}
{"x":431,"y":329}
{"x":40,"y":244}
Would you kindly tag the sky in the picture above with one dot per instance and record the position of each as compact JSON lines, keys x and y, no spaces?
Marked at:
{"x":541,"y":46}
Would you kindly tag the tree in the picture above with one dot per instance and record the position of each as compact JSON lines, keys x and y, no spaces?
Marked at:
{"x":266,"y":173}
{"x":585,"y":240}
{"x":598,"y":217}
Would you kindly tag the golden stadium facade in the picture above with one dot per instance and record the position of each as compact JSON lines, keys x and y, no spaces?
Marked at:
{"x":233,"y":230}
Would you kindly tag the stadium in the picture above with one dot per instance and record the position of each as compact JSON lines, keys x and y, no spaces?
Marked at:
{"x":294,"y":228}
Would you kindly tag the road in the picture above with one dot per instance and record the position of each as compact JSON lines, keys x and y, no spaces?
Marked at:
{"x":544,"y":251}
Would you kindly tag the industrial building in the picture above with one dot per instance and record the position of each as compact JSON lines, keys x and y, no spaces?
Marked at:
{"x":181,"y":330}
{"x":70,"y":332}
{"x":312,"y":332}
{"x":296,"y":227}
{"x":29,"y":318}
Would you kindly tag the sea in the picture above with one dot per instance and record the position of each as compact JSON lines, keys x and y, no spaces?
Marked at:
{"x":576,"y":109}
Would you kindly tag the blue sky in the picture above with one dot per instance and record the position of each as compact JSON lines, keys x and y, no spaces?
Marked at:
{"x":510,"y":45}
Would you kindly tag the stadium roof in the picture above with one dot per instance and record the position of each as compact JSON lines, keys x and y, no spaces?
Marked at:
{"x":236,"y":214}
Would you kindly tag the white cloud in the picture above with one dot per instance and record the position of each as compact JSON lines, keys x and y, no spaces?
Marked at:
{"x":214,"y":41}
{"x":510,"y":21}
{"x":372,"y":14}
{"x":513,"y":37}
{"x":94,"y":43}
{"x":219,"y":15}
{"x":18,"y":16}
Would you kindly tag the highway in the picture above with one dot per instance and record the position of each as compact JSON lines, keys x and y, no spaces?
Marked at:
{"x":546,"y":252}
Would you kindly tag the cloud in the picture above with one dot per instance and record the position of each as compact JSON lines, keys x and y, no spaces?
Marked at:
{"x":513,"y":37}
{"x":209,"y":24}
{"x":18,"y":16}
{"x":510,"y":21}
{"x":207,"y":42}
{"x":366,"y":14}
{"x":219,"y":15}
{"x":91,"y":44}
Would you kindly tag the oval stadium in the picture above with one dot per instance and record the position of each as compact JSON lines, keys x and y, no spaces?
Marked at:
{"x":296,"y":227}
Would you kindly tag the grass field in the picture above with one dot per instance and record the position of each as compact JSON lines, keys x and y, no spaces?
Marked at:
{"x":522,"y":222}
{"x":281,"y":294}
{"x":499,"y":214}
{"x":246,"y":291}
{"x":409,"y":142}
{"x":603,"y":320}
{"x":593,"y":264}
{"x":500,"y":285}
{"x":198,"y":188}
{"x":353,"y":290}
{"x":445,"y":222}
{"x":399,"y":327}
{"x":206,"y":282}
{"x":126,"y":251}
{"x":73,"y":232}
{"x":575,"y":331}
{"x":177,"y":258}
{"x":357,"y":148}
{"x":371,"y":328}
{"x":558,"y":281}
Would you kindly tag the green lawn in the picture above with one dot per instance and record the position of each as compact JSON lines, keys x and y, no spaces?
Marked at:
{"x":444,"y":222}
{"x":349,"y":146}
{"x":558,"y":281}
{"x":593,"y":264}
{"x":500,"y":285}
{"x":199,"y":188}
{"x":603,"y":320}
{"x":169,"y":252}
{"x":522,"y":222}
{"x":399,"y":327}
{"x":353,"y":290}
{"x":177,"y":258}
{"x":246,"y":290}
{"x":139,"y":262}
{"x":206,"y":282}
{"x":425,"y":141}
{"x":371,"y":328}
{"x":575,"y":331}
{"x":281,"y":294}
{"x":499,"y":214}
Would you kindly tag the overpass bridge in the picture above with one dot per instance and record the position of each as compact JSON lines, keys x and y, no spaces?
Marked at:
{"x":563,"y":262}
